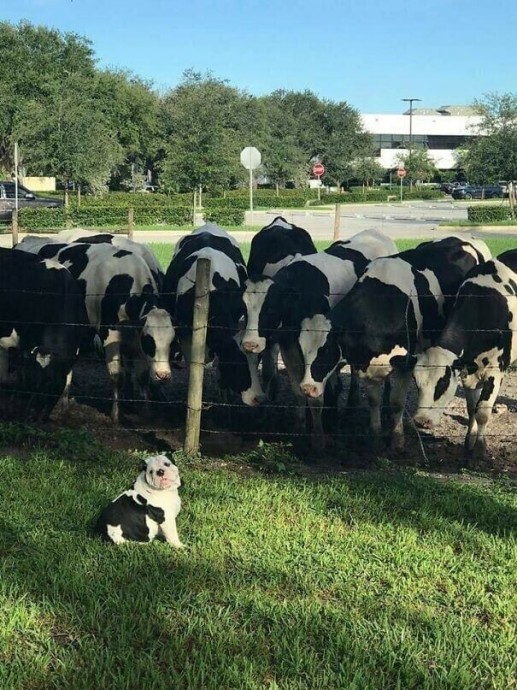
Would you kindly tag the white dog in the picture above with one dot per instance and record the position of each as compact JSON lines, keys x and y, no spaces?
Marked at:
{"x":148,"y":509}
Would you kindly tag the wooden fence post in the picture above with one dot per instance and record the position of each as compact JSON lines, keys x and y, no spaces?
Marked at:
{"x":337,"y":221}
{"x":130,"y":223}
{"x":197,"y":357}
{"x":14,"y":227}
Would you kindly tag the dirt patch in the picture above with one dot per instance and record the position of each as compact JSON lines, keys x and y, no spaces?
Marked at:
{"x":229,"y":428}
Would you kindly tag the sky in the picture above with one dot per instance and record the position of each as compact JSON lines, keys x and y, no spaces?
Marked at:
{"x":369,"y":53}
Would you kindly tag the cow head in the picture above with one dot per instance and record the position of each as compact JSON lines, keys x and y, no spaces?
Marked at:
{"x":156,"y":337}
{"x":436,"y":372}
{"x":262,"y":313}
{"x":238,"y":372}
{"x":321,"y":354}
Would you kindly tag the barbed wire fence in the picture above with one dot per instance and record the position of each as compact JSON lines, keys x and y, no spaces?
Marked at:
{"x":197,"y":404}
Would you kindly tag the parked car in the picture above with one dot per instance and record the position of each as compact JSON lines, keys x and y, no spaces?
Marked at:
{"x":26,"y":199}
{"x":482,"y":191}
{"x":448,"y":187}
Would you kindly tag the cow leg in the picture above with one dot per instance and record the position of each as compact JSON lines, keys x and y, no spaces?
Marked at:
{"x":64,"y":401}
{"x":329,"y":413}
{"x":374,"y":393}
{"x":484,"y":412}
{"x":4,"y":365}
{"x":472,"y":396}
{"x":354,"y":392}
{"x":270,"y":371}
{"x":294,"y":366}
{"x":398,"y":394}
{"x":111,"y":344}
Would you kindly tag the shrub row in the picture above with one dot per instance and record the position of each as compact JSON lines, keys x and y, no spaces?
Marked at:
{"x":224,"y":215}
{"x":102,"y":216}
{"x":488,"y":214}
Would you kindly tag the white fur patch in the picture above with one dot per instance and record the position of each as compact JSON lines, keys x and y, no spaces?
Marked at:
{"x":220,"y":263}
{"x":380,"y":367}
{"x":254,"y":297}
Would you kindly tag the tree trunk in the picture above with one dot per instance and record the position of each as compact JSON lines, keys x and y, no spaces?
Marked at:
{"x":277,"y":188}
{"x":79,"y":194}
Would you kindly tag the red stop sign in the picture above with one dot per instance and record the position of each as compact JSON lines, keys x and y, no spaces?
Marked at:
{"x":401,"y":172}
{"x":318,"y":169}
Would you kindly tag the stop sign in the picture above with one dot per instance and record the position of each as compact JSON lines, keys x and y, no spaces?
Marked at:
{"x":318,"y":169}
{"x":401,"y":172}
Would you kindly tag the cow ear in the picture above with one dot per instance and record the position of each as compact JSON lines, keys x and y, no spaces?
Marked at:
{"x":403,"y":363}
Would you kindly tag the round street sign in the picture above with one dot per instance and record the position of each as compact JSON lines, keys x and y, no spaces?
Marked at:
{"x":250,"y":158}
{"x":401,"y":172}
{"x":318,"y":169}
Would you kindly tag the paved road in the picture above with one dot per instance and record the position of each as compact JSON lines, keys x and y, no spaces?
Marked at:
{"x":419,"y":219}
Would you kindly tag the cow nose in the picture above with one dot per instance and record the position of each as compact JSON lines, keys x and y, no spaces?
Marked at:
{"x":163,"y":375}
{"x":423,"y":422}
{"x":310,"y":390}
{"x":250,"y":346}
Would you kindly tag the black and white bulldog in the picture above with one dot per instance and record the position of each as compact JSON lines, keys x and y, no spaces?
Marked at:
{"x":147,"y":510}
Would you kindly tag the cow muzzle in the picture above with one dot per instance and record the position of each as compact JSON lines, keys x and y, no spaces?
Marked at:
{"x":423,"y":421}
{"x":311,"y":390}
{"x":162,"y":375}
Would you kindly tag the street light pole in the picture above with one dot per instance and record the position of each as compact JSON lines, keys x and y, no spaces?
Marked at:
{"x":410,"y":101}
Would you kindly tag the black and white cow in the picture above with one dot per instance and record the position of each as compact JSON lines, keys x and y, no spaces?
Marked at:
{"x":125,"y":309}
{"x":33,"y":243}
{"x":272,"y":248}
{"x":237,"y":370}
{"x":42,"y":317}
{"x":399,"y":305}
{"x":477,"y":345}
{"x":292,"y":309}
{"x":276,"y":245}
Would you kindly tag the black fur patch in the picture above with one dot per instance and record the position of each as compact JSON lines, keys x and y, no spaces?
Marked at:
{"x":443,"y":384}
{"x":488,"y":389}
{"x":121,"y":253}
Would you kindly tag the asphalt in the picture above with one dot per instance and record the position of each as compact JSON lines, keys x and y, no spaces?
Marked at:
{"x":415,"y":219}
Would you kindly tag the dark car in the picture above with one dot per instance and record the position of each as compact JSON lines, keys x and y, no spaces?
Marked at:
{"x":449,"y":187}
{"x":26,"y":199}
{"x":481,"y":191}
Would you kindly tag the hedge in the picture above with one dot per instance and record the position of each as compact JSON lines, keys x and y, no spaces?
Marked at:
{"x":488,"y":214}
{"x":101,"y":216}
{"x":224,"y":215}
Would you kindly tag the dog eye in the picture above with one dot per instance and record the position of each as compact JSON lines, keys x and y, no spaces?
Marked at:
{"x":167,"y":464}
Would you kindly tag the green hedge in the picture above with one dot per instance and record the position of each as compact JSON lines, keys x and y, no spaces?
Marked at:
{"x":128,"y":200}
{"x":224,"y":215}
{"x":102,"y":216}
{"x":488,"y":214}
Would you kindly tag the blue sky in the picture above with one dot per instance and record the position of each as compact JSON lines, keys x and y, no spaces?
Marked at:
{"x":369,"y":53}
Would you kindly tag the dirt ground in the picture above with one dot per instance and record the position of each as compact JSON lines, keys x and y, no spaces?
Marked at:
{"x":229,"y":428}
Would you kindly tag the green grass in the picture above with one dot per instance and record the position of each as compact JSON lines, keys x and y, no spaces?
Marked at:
{"x":470,"y":224}
{"x":497,"y":245}
{"x":369,"y":582}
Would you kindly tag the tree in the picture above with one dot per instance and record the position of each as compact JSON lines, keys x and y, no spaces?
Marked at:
{"x":368,"y":170}
{"x":419,"y":165}
{"x":205,"y":124}
{"x":493,"y":156}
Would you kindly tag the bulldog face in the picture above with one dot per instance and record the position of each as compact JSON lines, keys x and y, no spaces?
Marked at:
{"x":160,"y":473}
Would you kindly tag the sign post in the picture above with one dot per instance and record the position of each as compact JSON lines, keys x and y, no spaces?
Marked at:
{"x":318,"y":169}
{"x":251,"y":159}
{"x":401,"y":172}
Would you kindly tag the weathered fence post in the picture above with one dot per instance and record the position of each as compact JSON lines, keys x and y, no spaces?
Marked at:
{"x":14,"y":227}
{"x":194,"y":208}
{"x":130,"y":222}
{"x":197,"y":357}
{"x":337,"y":221}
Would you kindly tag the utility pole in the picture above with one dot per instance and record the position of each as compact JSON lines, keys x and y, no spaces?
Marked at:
{"x":410,"y":101}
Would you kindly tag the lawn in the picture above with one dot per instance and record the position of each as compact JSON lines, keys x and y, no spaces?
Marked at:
{"x":369,"y":581}
{"x":497,"y":245}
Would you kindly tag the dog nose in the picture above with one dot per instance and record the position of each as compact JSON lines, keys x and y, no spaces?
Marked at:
{"x":160,"y":473}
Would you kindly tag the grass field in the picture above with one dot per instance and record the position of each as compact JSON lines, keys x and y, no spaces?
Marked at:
{"x":291,"y":579}
{"x":497,"y":245}
{"x":369,"y":581}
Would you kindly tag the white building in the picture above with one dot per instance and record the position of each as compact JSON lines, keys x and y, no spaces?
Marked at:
{"x":440,"y":131}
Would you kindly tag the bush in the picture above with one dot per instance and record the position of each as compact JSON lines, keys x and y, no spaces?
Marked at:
{"x":224,"y":215}
{"x":488,"y":214}
{"x":102,"y":216}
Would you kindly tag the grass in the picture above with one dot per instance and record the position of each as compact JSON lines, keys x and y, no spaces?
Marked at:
{"x":497,"y":245}
{"x":470,"y":224}
{"x":372,"y":581}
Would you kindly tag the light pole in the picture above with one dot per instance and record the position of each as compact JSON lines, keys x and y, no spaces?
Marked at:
{"x":410,"y":101}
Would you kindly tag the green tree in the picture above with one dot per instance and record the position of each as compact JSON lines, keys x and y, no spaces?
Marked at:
{"x":493,"y":156}
{"x":419,"y":165}
{"x":368,"y":170}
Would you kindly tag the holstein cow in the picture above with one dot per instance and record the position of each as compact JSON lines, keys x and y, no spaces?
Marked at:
{"x":124,"y":307}
{"x":477,"y":346}
{"x":292,"y":309}
{"x":33,"y":243}
{"x":42,"y":317}
{"x":237,"y":370}
{"x":398,"y":306}
{"x":272,"y":248}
